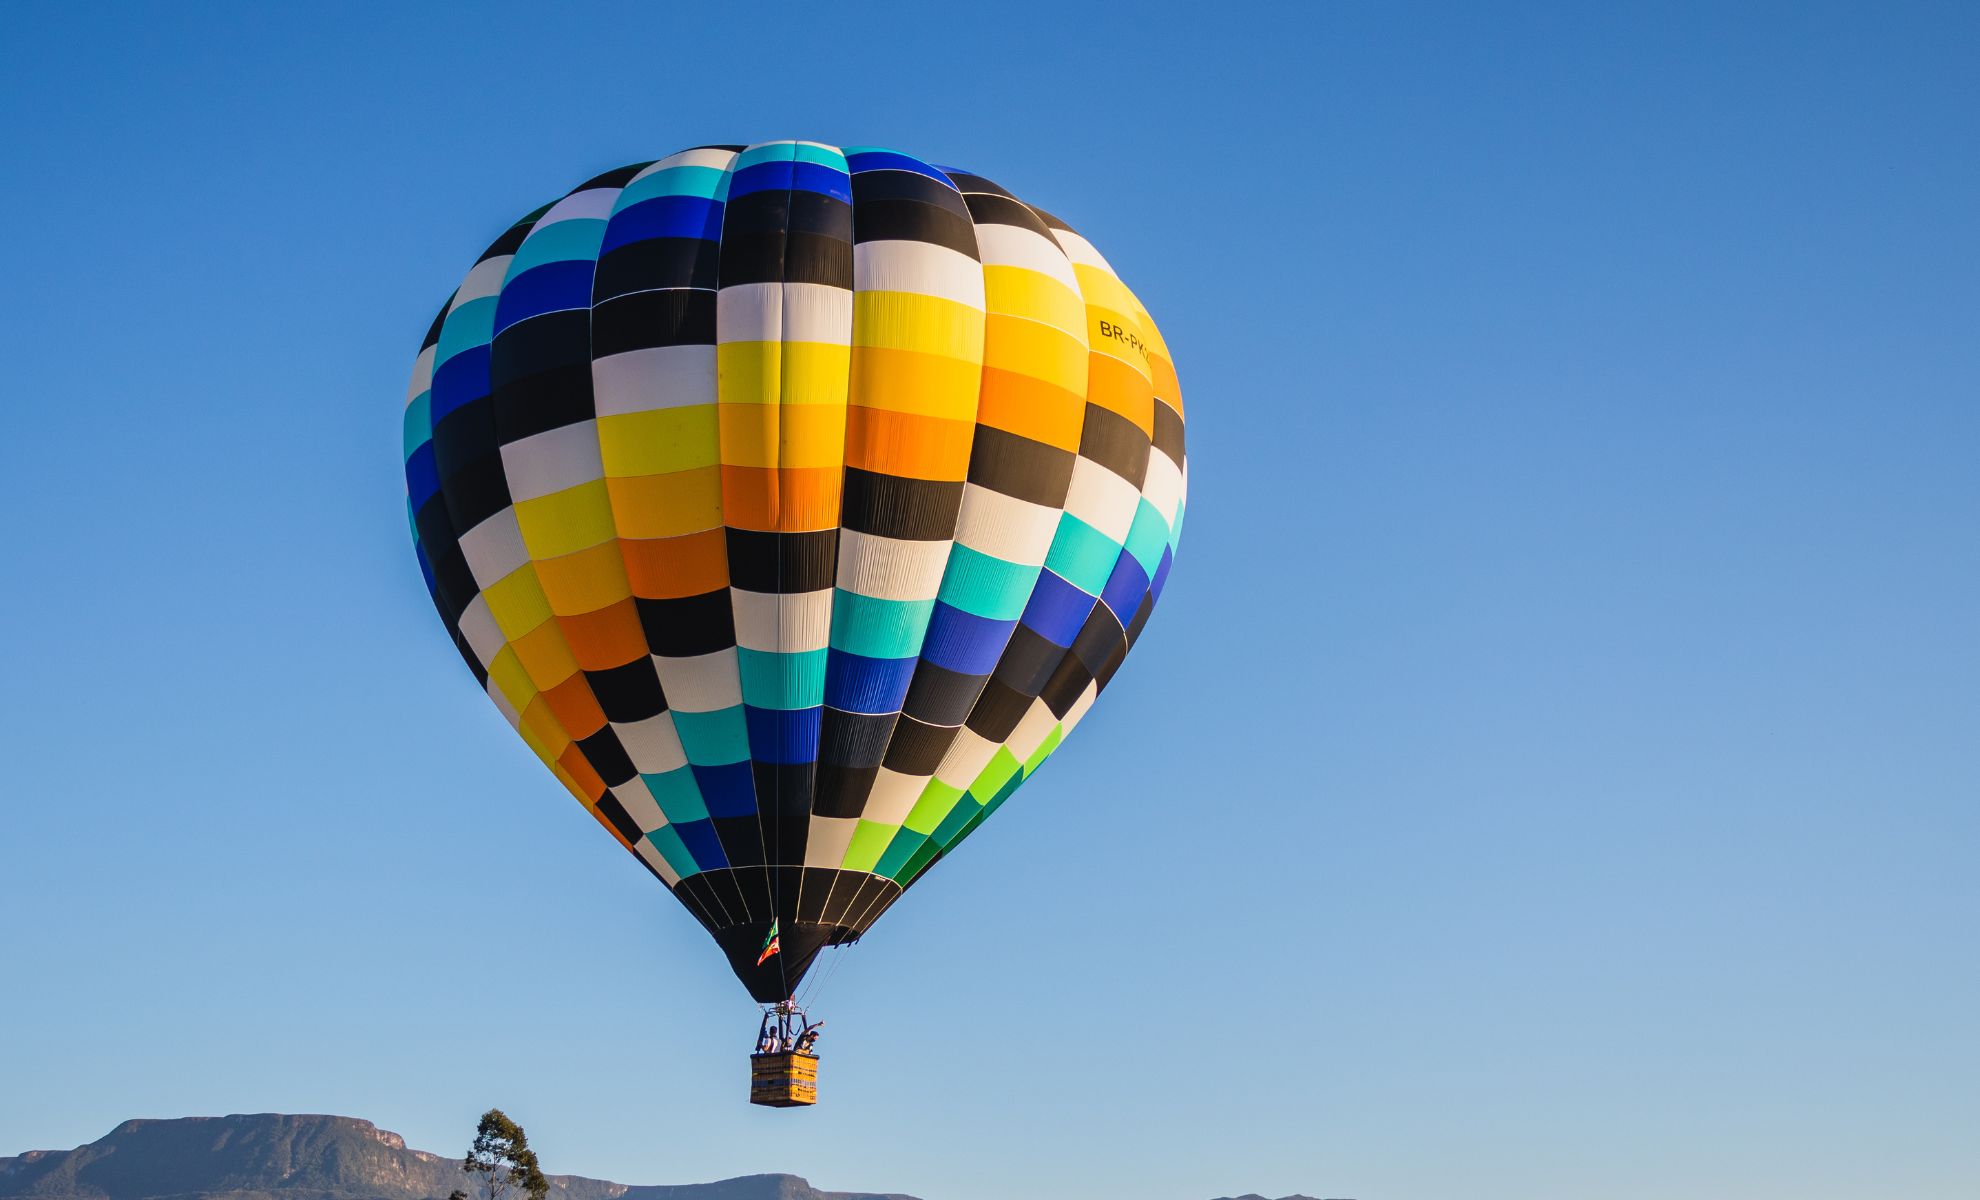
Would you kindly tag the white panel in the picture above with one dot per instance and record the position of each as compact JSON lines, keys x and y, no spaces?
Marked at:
{"x":591,"y":203}
{"x":1015,"y":246}
{"x":1102,"y":499}
{"x":502,"y":705}
{"x":639,"y":804}
{"x":783,"y":624}
{"x":494,"y":549}
{"x":719,"y":159}
{"x":750,"y":312}
{"x":826,"y":840}
{"x":1004,"y":526}
{"x":655,"y":377}
{"x":967,"y":756}
{"x":552,"y":461}
{"x":920,"y":267}
{"x":890,"y":568}
{"x":654,"y":745}
{"x":1031,"y":730}
{"x":1080,"y":707}
{"x":478,"y":627}
{"x":1081,"y":251}
{"x":484,"y":280}
{"x":893,"y":796}
{"x":1163,"y":487}
{"x":657,"y":861}
{"x":817,"y":312}
{"x":704,"y":683}
{"x":422,"y":375}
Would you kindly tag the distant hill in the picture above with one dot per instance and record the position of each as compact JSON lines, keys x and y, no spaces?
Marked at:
{"x":276,"y":1156}
{"x":279,"y":1156}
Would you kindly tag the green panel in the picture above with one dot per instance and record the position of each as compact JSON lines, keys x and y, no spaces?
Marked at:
{"x":671,"y":848}
{"x":936,"y":801}
{"x":917,"y":863}
{"x":869,"y":842}
{"x":959,"y":816}
{"x":786,"y":681}
{"x":899,"y":851}
{"x":1146,"y":537}
{"x":577,"y":239}
{"x":714,"y":738}
{"x":985,"y":585}
{"x":419,"y":422}
{"x":1045,"y":748}
{"x":468,"y":325}
{"x":678,"y":795}
{"x":878,"y":628}
{"x":1082,"y":555}
{"x":1002,"y":766}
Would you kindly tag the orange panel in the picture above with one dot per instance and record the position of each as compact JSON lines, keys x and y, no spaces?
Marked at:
{"x":585,"y":581}
{"x":908,"y":445}
{"x":545,"y":655}
{"x":572,"y":760}
{"x":693,"y":564}
{"x":658,"y":506}
{"x":610,"y":637}
{"x":575,"y":707}
{"x":1031,"y":408}
{"x":1115,"y":386}
{"x":787,"y":499}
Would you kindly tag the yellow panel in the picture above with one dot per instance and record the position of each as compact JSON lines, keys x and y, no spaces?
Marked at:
{"x":658,"y":441}
{"x":567,"y":521}
{"x":509,"y":678}
{"x":748,"y":372}
{"x":781,"y":372}
{"x":797,"y":435}
{"x":1103,"y":289}
{"x":909,"y":321}
{"x":546,"y":656}
{"x":907,"y":381}
{"x":1033,"y":294}
{"x":1040,"y":351}
{"x":540,"y":724}
{"x":661,"y":506}
{"x":517,"y":603}
{"x":1117,"y":335}
{"x":584,"y":582}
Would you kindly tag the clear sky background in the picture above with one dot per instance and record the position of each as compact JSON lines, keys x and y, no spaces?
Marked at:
{"x":1553,"y":771}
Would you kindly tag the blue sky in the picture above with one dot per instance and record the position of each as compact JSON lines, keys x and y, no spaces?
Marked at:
{"x":1552,"y":771}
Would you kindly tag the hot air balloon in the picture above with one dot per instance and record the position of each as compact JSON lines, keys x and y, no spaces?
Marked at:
{"x":793,"y":503}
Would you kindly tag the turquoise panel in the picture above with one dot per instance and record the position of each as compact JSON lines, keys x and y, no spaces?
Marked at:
{"x":878,"y":628}
{"x":985,"y":585}
{"x":419,"y":422}
{"x":787,"y":681}
{"x":1146,"y":537}
{"x":677,"y":794}
{"x":1082,"y":555}
{"x":564,"y":241}
{"x":468,"y":325}
{"x":712,"y":739}
{"x":671,"y":848}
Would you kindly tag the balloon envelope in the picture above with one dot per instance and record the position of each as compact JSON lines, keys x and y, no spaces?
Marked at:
{"x":793,"y":503}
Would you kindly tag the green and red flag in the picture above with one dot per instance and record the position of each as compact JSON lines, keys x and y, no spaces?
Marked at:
{"x":770,"y":944}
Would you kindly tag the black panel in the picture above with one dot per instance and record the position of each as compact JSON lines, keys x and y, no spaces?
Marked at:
{"x":688,"y":626}
{"x":816,"y":258}
{"x":896,"y":507}
{"x":675,"y":317}
{"x":656,"y":263}
{"x":790,"y":563}
{"x":968,"y":181}
{"x":911,"y":221}
{"x":476,"y":491}
{"x":917,"y":748}
{"x":1002,"y":210}
{"x":1098,"y":637}
{"x":852,"y":739}
{"x":1028,"y":661}
{"x":742,"y":842}
{"x":1050,"y":220}
{"x":1017,"y":466}
{"x":842,"y":791}
{"x":1142,"y":612}
{"x":614,"y":812}
{"x":629,"y":693}
{"x":998,"y":710}
{"x":607,"y":756}
{"x":1065,"y":686}
{"x":1169,"y":432}
{"x":463,"y":436}
{"x":882,"y":187}
{"x":1114,"y":442}
{"x":939,"y":696}
{"x":617,"y":177}
{"x":544,"y":401}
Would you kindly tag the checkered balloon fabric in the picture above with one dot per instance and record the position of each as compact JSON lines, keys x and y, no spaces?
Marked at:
{"x":793,"y":503}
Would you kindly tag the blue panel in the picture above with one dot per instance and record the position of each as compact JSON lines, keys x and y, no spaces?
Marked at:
{"x":460,"y":380}
{"x":1162,"y":574}
{"x":665,"y":217}
{"x":888,"y":160}
{"x":964,"y":642}
{"x":812,"y":177}
{"x":778,"y":735}
{"x":859,"y":684}
{"x":699,"y":837}
{"x":763,"y":177}
{"x":728,"y":790}
{"x":1057,"y":609}
{"x":1125,"y":588}
{"x":422,"y":477}
{"x":552,"y":287}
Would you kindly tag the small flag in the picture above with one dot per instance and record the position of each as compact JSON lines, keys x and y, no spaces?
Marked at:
{"x":770,"y":944}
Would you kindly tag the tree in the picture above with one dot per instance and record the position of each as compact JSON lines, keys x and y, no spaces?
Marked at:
{"x":502,"y":1157}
